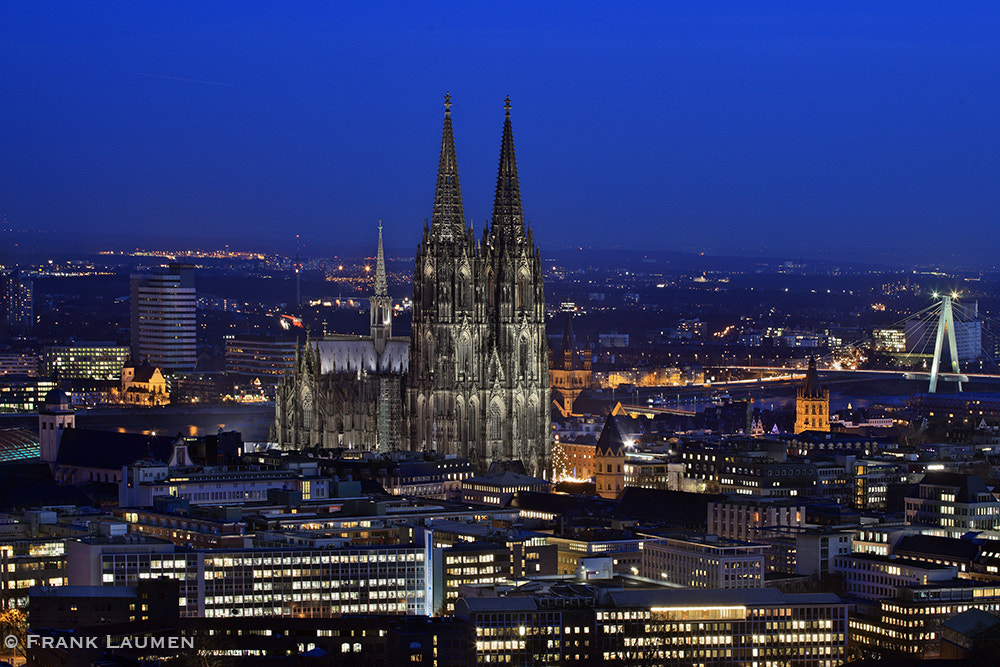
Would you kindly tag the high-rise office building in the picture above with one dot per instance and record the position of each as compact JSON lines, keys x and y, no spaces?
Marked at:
{"x":15,"y":291}
{"x":269,"y":356}
{"x":90,"y":360}
{"x":164,"y":326}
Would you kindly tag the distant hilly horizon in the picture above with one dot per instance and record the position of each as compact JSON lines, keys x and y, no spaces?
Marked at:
{"x":19,"y":245}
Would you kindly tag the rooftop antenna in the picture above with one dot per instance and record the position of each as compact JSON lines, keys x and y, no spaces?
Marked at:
{"x":298,"y":274}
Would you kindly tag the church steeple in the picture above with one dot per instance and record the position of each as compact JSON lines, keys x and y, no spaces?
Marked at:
{"x":381,"y":304}
{"x":508,"y":218}
{"x":381,"y":286}
{"x":448,"y":219}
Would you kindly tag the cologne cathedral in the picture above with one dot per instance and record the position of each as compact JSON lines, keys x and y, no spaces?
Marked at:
{"x":477,"y":379}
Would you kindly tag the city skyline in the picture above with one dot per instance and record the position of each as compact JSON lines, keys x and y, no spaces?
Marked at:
{"x":801,"y":131}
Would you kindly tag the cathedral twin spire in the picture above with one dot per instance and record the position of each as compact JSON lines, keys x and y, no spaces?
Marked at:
{"x":508,"y":218}
{"x":448,"y":219}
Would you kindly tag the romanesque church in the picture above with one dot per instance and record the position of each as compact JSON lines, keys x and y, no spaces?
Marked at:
{"x":476,"y":380}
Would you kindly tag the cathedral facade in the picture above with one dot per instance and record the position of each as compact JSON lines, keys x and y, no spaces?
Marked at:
{"x":473,"y":379}
{"x":478,"y":380}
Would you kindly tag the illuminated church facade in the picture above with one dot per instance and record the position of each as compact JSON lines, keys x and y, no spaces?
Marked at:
{"x":474,"y":378}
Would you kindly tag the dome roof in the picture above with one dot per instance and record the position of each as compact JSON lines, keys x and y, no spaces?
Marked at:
{"x":56,"y":397}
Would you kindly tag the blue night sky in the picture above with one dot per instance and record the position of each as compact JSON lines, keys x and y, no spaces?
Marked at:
{"x":800,"y":127}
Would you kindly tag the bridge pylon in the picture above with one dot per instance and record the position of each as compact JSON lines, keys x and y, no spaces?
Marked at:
{"x":946,"y":324}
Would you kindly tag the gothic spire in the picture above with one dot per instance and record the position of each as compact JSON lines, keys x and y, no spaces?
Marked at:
{"x":448,"y":219}
{"x":507,"y":214}
{"x":610,"y":442}
{"x":381,"y":304}
{"x":568,"y":342}
{"x":811,"y":387}
{"x":381,"y":286}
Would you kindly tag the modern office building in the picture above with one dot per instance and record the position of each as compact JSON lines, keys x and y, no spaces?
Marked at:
{"x":30,"y":562}
{"x":950,"y":505}
{"x":95,"y":360}
{"x":911,"y":622}
{"x":19,"y":363}
{"x":145,"y":481}
{"x":164,"y":323}
{"x":72,"y":607}
{"x":573,"y":624}
{"x":874,"y":577}
{"x":267,"y":356}
{"x":15,"y":295}
{"x":307,"y":583}
{"x":744,"y":517}
{"x":704,"y":562}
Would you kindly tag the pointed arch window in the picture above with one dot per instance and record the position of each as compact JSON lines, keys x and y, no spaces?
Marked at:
{"x":428,"y":287}
{"x":524,"y":358}
{"x":517,"y":423}
{"x":464,"y":367}
{"x":464,"y":282}
{"x":474,"y":434}
{"x":494,"y":423}
{"x":462,"y":425}
{"x":307,"y":409}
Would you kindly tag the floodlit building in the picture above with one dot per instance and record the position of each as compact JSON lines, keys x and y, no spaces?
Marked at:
{"x":609,"y":461}
{"x":812,"y":403}
{"x":143,"y":385}
{"x":478,"y":382}
{"x":569,"y":371}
